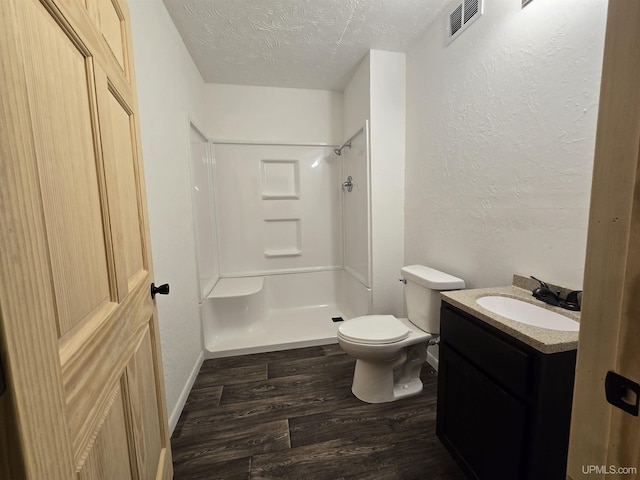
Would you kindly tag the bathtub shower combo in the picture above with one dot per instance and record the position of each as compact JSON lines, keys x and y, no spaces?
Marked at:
{"x":282,"y":240}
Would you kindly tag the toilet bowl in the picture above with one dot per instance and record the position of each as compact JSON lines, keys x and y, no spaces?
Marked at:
{"x":390,"y":351}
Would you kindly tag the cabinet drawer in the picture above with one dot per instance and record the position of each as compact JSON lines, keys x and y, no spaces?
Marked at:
{"x":506,"y":363}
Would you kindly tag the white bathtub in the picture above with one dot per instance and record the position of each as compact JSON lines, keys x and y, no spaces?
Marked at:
{"x":277,"y":312}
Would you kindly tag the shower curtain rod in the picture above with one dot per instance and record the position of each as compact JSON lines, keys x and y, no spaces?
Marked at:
{"x":351,"y":138}
{"x":284,"y":144}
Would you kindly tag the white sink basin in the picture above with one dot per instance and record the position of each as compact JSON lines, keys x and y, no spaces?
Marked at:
{"x":527,"y":313}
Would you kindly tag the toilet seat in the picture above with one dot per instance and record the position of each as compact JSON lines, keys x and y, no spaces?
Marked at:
{"x":374,"y":329}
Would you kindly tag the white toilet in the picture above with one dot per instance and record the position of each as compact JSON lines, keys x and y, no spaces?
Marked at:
{"x":390,"y":351}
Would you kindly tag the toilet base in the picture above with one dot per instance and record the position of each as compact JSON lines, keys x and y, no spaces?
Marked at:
{"x":414,"y":387}
{"x":380,"y":382}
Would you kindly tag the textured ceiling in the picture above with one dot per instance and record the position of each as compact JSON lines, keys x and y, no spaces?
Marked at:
{"x":295,"y":43}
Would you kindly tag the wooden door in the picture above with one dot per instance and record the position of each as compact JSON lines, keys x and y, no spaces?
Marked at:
{"x":604,"y":438}
{"x":79,"y":334}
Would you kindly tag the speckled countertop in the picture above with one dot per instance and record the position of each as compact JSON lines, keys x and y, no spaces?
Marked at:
{"x":542,"y":339}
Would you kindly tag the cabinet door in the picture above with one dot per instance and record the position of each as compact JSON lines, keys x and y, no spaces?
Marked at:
{"x":482,"y":425}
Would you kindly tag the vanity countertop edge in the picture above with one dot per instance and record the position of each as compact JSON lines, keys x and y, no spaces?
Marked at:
{"x":542,"y":339}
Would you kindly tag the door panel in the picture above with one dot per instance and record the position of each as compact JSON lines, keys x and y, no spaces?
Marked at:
{"x":109,"y":457}
{"x":111,"y":25}
{"x":79,"y":328}
{"x":142,"y":393}
{"x":94,"y":362}
{"x":58,"y":83}
{"x":122,"y":129}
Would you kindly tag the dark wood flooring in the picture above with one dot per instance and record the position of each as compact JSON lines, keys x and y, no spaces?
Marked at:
{"x":291,"y":415}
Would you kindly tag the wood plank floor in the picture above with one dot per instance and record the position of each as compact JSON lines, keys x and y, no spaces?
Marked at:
{"x":291,"y":415}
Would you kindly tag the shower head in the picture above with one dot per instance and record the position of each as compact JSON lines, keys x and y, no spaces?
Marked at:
{"x":338,"y":151}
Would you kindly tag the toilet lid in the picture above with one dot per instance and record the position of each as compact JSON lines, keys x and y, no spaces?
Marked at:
{"x":374,"y":329}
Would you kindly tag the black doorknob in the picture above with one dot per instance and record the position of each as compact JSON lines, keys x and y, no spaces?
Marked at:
{"x":162,"y":290}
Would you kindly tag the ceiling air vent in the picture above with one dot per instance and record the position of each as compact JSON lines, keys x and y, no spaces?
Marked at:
{"x":463,"y":13}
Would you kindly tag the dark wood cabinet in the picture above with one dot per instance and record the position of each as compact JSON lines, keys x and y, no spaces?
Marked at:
{"x":504,"y":408}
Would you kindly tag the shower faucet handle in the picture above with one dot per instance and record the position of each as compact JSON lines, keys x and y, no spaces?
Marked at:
{"x":348,"y":185}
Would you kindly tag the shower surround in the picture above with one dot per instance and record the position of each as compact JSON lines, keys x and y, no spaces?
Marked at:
{"x":279,"y":237}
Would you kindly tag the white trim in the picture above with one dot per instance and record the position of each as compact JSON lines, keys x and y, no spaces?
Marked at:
{"x":356,"y":275}
{"x":284,"y":271}
{"x":182,"y":399}
{"x":273,"y":144}
{"x":433,"y":360}
{"x":208,"y":290}
{"x":283,"y":253}
{"x":191,"y":124}
{"x":203,"y":290}
{"x":278,"y":196}
{"x":367,"y":136}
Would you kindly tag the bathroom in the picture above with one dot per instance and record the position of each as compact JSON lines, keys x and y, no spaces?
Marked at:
{"x":486,"y":141}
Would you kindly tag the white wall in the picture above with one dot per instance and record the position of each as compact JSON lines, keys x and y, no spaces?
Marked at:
{"x":169,"y":89}
{"x":268,"y":114}
{"x":388,"y":117}
{"x":500,"y":140}
{"x":357,"y":215}
{"x":357,"y":99}
{"x":376,"y":92}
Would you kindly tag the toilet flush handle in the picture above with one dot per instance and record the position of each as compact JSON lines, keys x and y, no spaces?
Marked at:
{"x":402,"y":280}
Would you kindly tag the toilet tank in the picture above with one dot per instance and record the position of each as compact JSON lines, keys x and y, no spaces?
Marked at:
{"x":422,"y":294}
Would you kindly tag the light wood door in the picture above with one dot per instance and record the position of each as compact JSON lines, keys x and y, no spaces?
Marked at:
{"x":79,"y":334}
{"x":604,"y":438}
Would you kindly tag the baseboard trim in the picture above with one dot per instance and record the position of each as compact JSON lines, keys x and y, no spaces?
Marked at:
{"x":432,"y":360}
{"x":182,"y":400}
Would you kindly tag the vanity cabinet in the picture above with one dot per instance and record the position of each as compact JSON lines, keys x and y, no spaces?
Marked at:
{"x":504,"y":408}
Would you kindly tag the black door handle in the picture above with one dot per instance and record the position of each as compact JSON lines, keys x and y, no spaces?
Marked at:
{"x":618,"y":390}
{"x":162,"y":290}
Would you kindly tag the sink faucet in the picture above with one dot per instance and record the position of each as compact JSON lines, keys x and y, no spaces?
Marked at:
{"x":545,"y":294}
{"x":573,"y":300}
